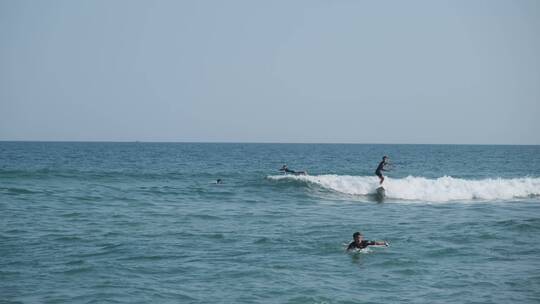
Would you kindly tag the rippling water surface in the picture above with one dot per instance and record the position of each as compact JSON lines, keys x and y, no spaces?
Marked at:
{"x":146,"y":222}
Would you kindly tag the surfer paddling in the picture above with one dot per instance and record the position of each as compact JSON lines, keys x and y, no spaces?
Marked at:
{"x":380,"y":168}
{"x":286,"y":169}
{"x":360,"y":243}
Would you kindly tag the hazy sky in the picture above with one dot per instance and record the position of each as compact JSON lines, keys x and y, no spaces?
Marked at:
{"x":271,"y":71}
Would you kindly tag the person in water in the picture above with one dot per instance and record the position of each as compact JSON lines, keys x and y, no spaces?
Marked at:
{"x":286,"y":169}
{"x":360,"y":243}
{"x":380,"y":168}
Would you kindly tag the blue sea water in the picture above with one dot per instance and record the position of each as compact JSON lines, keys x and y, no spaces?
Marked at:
{"x":146,"y":223}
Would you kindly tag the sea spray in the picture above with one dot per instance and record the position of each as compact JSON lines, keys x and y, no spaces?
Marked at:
{"x":440,"y":189}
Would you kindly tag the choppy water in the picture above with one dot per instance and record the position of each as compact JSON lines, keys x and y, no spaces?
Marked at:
{"x":141,"y":222}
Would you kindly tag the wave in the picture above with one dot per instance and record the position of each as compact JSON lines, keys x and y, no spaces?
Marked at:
{"x":440,"y":189}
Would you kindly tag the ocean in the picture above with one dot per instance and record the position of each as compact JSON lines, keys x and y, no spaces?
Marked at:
{"x":147,"y":223}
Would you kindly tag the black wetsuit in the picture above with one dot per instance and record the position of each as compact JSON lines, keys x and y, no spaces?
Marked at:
{"x":363,"y":244}
{"x":287,"y":170}
{"x":380,"y":168}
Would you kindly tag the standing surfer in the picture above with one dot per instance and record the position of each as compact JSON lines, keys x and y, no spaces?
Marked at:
{"x":380,"y":168}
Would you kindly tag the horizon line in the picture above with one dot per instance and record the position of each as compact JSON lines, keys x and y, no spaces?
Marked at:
{"x":255,"y":142}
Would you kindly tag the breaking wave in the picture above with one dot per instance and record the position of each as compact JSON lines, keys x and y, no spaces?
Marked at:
{"x":420,"y":188}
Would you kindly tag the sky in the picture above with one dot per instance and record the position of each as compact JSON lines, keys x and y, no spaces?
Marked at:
{"x":426,"y":72}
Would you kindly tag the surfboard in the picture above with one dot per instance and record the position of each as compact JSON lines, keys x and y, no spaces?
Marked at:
{"x":381,"y":192}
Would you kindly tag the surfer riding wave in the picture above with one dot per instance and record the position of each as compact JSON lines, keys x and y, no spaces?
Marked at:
{"x":286,"y":169}
{"x":381,"y":168}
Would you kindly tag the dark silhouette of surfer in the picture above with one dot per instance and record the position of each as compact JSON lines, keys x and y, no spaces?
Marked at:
{"x":380,"y":168}
{"x":360,"y":243}
{"x":286,"y":169}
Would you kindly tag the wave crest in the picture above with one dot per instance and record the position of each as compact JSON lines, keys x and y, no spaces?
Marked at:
{"x":441,"y":189}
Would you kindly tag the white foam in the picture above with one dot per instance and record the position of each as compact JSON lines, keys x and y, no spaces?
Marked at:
{"x":419,"y":188}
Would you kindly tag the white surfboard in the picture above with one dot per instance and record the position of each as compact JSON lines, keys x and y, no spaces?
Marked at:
{"x":381,"y":192}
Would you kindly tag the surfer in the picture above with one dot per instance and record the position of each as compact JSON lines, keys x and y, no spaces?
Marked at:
{"x":286,"y":169}
{"x":380,"y":168}
{"x":360,"y":243}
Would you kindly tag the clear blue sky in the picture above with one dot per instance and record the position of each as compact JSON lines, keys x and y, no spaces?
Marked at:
{"x":271,"y":71}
